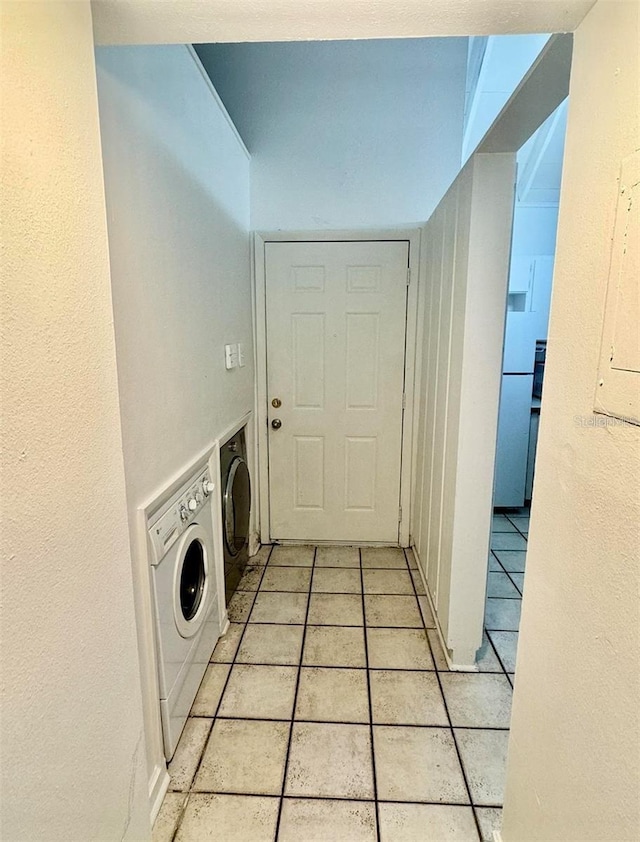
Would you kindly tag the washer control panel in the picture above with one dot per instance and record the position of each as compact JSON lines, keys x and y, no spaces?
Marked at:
{"x":181,"y":511}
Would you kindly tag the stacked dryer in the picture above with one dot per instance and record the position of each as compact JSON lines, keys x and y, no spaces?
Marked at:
{"x":235,"y":486}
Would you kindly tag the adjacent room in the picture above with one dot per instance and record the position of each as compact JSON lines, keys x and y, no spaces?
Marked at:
{"x":533,"y":243}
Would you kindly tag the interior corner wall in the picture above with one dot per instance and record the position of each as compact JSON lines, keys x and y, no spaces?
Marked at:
{"x":73,"y":764}
{"x":177,"y":188}
{"x":348,"y":134}
{"x":573,"y":773}
{"x":463,"y":301}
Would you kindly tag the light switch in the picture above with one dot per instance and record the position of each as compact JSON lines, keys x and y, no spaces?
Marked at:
{"x":230,"y":356}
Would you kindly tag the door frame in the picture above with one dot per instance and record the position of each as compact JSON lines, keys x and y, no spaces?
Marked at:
{"x":412,"y":235}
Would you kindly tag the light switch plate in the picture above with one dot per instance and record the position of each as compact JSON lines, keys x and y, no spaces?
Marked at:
{"x":230,"y":356}
{"x":241,"y":359}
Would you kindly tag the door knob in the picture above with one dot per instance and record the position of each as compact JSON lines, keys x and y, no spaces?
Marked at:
{"x":276,"y":423}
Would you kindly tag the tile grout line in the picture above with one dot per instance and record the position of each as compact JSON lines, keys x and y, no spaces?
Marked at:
{"x":334,"y":667}
{"x":295,"y":699}
{"x":183,"y":810}
{"x":348,"y":800}
{"x":507,"y":574}
{"x":366,"y":660}
{"x":506,"y":598}
{"x":453,"y":735}
{"x":504,"y":570}
{"x":500,"y":661}
{"x":275,"y":566}
{"x":306,"y":721}
{"x":493,"y":646}
{"x":349,"y":593}
{"x":517,"y":598}
{"x":514,"y":631}
{"x":340,"y":625}
{"x":515,"y":525}
{"x":190,"y":790}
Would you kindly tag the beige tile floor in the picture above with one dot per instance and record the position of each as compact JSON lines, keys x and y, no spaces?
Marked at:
{"x":505,"y":584}
{"x":327,"y":713}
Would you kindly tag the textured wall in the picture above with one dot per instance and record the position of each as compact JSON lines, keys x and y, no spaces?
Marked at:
{"x":345,"y":134}
{"x":177,"y":187}
{"x":575,"y":742}
{"x":72,"y":736}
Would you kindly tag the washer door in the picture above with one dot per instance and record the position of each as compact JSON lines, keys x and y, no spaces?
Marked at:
{"x":237,"y":506}
{"x":191,"y":581}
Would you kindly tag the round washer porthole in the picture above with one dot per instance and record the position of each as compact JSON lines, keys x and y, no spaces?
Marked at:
{"x":191,"y":581}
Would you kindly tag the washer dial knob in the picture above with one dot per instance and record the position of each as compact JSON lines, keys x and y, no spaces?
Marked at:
{"x":192,"y":504}
{"x":207,"y":486}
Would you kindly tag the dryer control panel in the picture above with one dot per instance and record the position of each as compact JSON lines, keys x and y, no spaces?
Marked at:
{"x":166,"y":526}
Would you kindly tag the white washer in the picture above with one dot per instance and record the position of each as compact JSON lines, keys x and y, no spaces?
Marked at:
{"x":185,"y":592}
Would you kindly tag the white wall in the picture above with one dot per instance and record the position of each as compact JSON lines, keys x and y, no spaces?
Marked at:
{"x":534,"y":229}
{"x":461,"y":311}
{"x":573,"y":773}
{"x":177,"y":188}
{"x":73,"y":763}
{"x":345,"y":134}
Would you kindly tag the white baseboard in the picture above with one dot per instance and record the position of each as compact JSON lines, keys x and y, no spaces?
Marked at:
{"x":158,"y":786}
{"x":254,"y":543}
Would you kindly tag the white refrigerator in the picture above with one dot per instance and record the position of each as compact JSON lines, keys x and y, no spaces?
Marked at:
{"x":527,"y":320}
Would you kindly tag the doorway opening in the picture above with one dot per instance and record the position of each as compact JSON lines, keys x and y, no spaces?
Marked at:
{"x":533,"y":240}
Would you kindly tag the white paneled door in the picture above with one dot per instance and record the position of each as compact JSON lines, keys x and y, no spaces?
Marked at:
{"x":336,"y":324}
